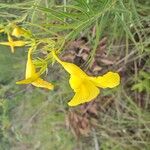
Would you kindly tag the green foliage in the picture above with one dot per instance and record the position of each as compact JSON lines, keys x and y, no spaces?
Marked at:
{"x":143,"y":82}
{"x":10,"y":65}
{"x":4,"y":124}
{"x":34,"y":119}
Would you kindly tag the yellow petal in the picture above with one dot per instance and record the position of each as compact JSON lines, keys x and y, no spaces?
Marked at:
{"x":12,"y":43}
{"x":33,"y":77}
{"x":75,"y":82}
{"x":8,"y":44}
{"x":109,"y":80}
{"x":85,"y":93}
{"x":28,"y":80}
{"x":31,"y":74}
{"x":5,"y":43}
{"x":73,"y":69}
{"x":18,"y":43}
{"x":15,"y":43}
{"x":12,"y":49}
{"x":17,"y":32}
{"x":38,"y":82}
{"x":2,"y":30}
{"x":70,"y":67}
{"x":30,"y":68}
{"x":42,"y":84}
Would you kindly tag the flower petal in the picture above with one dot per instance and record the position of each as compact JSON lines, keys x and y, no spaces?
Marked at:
{"x":85,"y":93}
{"x":12,"y":43}
{"x":28,"y":80}
{"x":73,"y":69}
{"x":18,"y":43}
{"x":12,"y":49}
{"x":2,"y":30}
{"x":43,"y":84}
{"x":108,"y":80}
{"x":5,"y":43}
{"x":30,"y":68}
{"x":70,"y":67}
{"x":17,"y":31}
{"x":75,"y":82}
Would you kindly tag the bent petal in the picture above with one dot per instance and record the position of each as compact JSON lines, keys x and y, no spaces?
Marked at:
{"x":18,"y":43}
{"x":33,"y":77}
{"x":12,"y":43}
{"x":85,"y":93}
{"x":70,"y":67}
{"x":73,"y":69}
{"x":43,"y":84}
{"x":38,"y":82}
{"x":5,"y":43}
{"x":28,"y":80}
{"x":108,"y":80}
{"x":31,"y":74}
{"x":8,"y":44}
{"x":30,"y":68}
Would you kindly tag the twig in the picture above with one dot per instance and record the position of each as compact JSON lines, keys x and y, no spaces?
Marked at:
{"x":95,"y":140}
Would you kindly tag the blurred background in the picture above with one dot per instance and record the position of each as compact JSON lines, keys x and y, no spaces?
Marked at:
{"x":99,"y":35}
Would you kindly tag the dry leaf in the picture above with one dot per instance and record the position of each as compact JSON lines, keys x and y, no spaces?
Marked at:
{"x":107,"y":62}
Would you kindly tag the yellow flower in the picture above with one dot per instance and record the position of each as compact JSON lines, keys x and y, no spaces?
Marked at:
{"x":12,"y":43}
{"x":86,"y":88}
{"x":18,"y":32}
{"x":32,"y":76}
